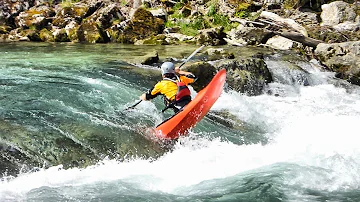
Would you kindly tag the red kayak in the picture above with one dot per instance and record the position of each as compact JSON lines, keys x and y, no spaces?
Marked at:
{"x":192,"y":113}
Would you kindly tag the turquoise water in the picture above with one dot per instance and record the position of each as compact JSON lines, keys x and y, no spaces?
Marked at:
{"x":65,"y":136}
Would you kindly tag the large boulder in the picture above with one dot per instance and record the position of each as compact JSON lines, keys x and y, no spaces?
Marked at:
{"x":142,"y":25}
{"x":342,"y":58}
{"x":10,"y":9}
{"x":204,"y":71}
{"x":35,"y":18}
{"x":337,"y":12}
{"x":90,"y":32}
{"x":246,"y":74}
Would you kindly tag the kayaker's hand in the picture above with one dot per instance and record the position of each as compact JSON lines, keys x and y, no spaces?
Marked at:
{"x":177,"y":70}
{"x":143,"y":96}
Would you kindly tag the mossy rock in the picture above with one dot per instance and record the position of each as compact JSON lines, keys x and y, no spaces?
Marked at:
{"x":329,"y":35}
{"x":90,"y":32}
{"x":61,"y":36}
{"x":204,"y":71}
{"x":33,"y":35}
{"x":73,"y":11}
{"x":142,"y":25}
{"x":46,"y":35}
{"x":35,"y":18}
{"x":246,"y":75}
{"x":4,"y":29}
{"x":153,"y":40}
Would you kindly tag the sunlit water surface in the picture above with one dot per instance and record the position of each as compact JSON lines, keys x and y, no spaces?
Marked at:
{"x":63,"y":127}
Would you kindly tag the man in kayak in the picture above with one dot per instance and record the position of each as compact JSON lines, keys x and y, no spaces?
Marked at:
{"x":173,"y":87}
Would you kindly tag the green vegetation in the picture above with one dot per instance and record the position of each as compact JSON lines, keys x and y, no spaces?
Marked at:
{"x":242,"y":10}
{"x":190,"y":26}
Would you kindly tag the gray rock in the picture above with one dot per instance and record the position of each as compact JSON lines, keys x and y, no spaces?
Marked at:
{"x":342,"y":58}
{"x":337,"y":12}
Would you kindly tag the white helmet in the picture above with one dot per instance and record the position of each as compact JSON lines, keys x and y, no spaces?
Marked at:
{"x":167,"y":67}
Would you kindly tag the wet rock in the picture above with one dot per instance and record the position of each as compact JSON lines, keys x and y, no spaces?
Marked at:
{"x":151,"y":58}
{"x":153,"y":40}
{"x":246,"y":75}
{"x":204,"y":71}
{"x":218,"y":54}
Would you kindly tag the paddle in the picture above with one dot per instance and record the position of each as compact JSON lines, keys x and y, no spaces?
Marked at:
{"x":134,"y":105}
{"x":185,"y":61}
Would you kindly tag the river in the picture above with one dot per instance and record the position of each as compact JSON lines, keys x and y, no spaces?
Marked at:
{"x":65,"y":134}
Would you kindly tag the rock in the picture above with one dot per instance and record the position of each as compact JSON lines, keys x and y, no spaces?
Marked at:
{"x":303,"y":18}
{"x":74,"y":12}
{"x":342,"y":58}
{"x":174,"y":38}
{"x":249,"y":35}
{"x":218,"y":54}
{"x":279,"y":42}
{"x":71,"y":31}
{"x":330,"y":35}
{"x":10,"y":9}
{"x":90,"y":32}
{"x":35,"y":18}
{"x":159,"y":13}
{"x":347,"y":26}
{"x":212,"y":36}
{"x":46,"y":35}
{"x":337,"y":12}
{"x":105,"y":17}
{"x":204,"y":71}
{"x":60,"y":35}
{"x":153,"y":40}
{"x":151,"y":58}
{"x":142,"y":25}
{"x":246,"y":75}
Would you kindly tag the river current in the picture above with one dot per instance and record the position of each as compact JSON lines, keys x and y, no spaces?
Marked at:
{"x":65,"y":134}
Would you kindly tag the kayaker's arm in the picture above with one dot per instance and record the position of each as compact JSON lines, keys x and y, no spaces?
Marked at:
{"x":187,"y":74}
{"x":148,"y":95}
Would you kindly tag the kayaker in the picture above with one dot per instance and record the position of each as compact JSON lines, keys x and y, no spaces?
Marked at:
{"x":173,"y":87}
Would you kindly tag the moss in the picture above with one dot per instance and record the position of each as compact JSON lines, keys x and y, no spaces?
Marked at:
{"x":72,"y":34}
{"x":155,"y":40}
{"x":61,"y":36}
{"x":46,"y":35}
{"x":4,"y":29}
{"x":89,"y":32}
{"x":142,"y":26}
